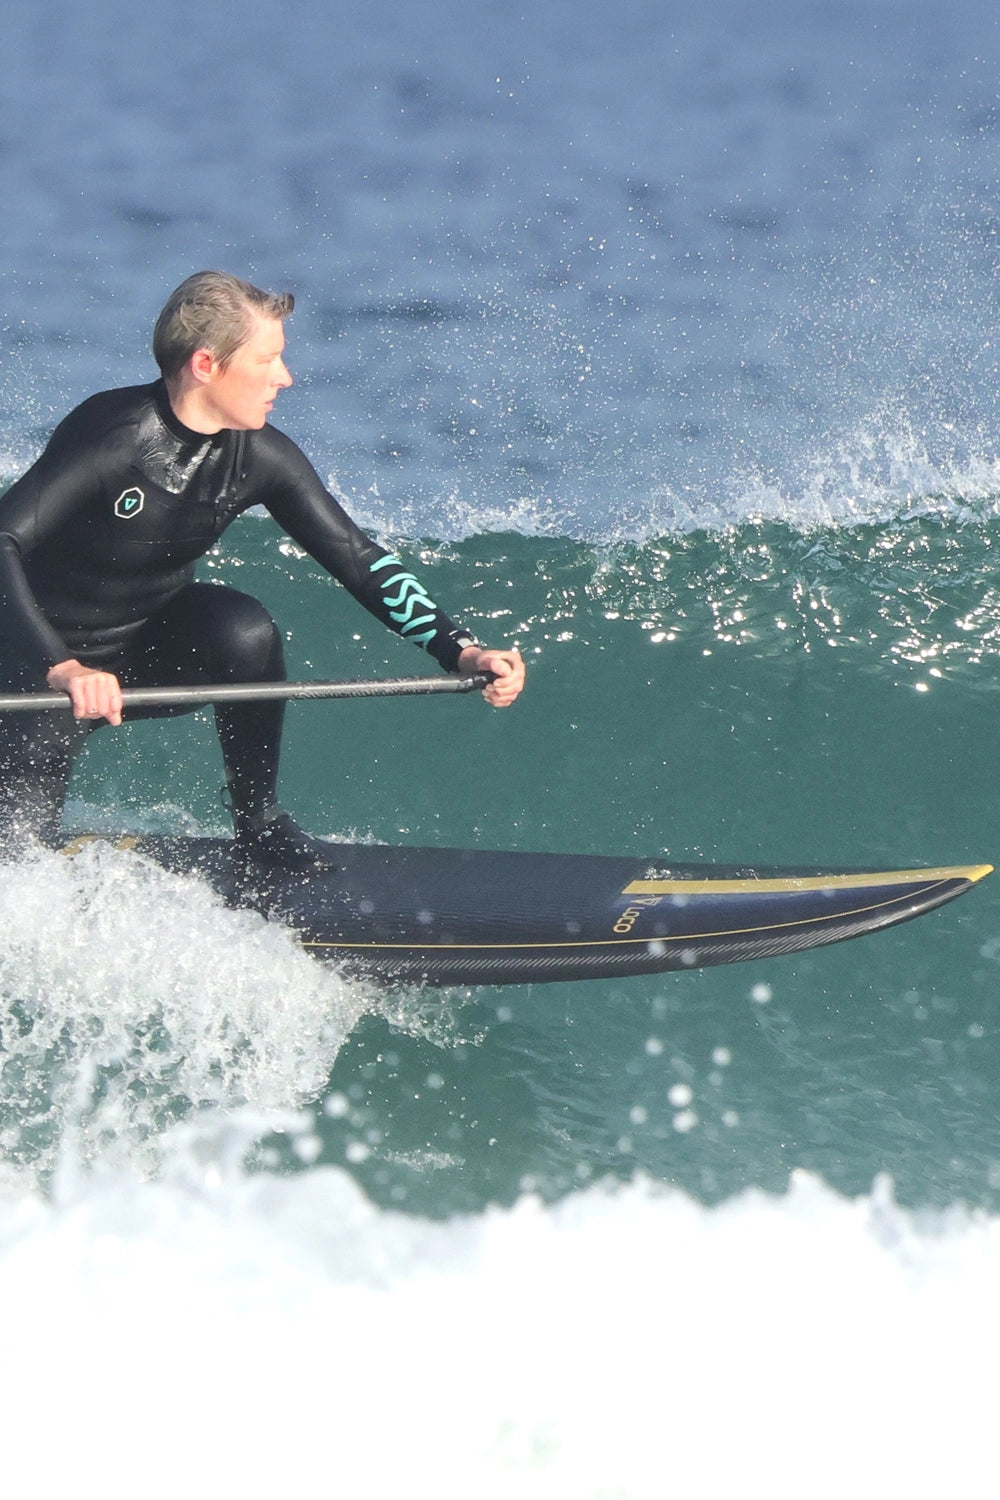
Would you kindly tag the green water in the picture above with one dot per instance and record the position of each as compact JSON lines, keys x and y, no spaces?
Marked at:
{"x":761,"y":694}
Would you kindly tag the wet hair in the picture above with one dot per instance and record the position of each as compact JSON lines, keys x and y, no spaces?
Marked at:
{"x":212,"y":310}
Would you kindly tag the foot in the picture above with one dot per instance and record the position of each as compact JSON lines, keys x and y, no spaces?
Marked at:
{"x":278,"y":843}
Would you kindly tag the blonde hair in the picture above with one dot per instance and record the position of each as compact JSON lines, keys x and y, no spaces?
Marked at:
{"x":212,"y":310}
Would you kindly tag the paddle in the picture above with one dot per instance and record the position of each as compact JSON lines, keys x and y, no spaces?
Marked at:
{"x":242,"y":692}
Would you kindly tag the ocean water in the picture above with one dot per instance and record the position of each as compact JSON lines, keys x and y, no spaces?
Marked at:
{"x":664,"y":342}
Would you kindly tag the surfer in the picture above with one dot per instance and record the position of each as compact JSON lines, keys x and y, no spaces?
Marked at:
{"x":98,"y":546}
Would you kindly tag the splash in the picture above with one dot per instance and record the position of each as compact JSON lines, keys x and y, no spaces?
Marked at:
{"x":278,"y":1327}
{"x":131,"y":1001}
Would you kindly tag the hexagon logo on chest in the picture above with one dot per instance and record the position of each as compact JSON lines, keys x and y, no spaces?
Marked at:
{"x":129,"y":504}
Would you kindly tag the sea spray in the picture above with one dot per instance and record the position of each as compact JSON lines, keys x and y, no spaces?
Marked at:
{"x":132,"y":1000}
{"x":235,"y":1331}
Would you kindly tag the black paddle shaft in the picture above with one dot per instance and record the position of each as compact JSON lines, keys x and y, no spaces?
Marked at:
{"x":243,"y":692}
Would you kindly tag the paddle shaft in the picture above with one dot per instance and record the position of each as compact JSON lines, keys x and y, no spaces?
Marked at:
{"x":246,"y":692}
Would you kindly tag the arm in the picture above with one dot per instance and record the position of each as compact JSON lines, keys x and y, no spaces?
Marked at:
{"x":28,"y":640}
{"x":303,"y":507}
{"x":32,"y":510}
{"x":31,"y":640}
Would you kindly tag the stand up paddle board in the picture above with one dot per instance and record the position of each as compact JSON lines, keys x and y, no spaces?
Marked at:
{"x":459,"y":916}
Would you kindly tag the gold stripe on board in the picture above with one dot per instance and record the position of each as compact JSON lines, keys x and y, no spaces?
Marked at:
{"x":789,"y":884}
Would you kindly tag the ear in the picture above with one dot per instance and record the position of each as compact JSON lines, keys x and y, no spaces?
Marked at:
{"x":203,"y":365}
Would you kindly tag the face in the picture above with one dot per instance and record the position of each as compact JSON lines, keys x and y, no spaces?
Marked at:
{"x":241,"y":394}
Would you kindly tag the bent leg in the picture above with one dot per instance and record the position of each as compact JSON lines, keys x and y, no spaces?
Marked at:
{"x":36,"y":759}
{"x":212,"y":634}
{"x":216,"y":634}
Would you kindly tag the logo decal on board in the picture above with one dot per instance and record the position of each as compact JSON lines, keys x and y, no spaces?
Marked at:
{"x":129,"y":504}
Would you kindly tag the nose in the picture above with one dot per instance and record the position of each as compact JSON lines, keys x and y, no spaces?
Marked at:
{"x":284,"y":375}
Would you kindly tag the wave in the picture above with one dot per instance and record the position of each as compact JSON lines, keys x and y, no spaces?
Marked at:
{"x":279,"y":1327}
{"x":914,"y":591}
{"x":882,"y":471}
{"x":130,"y":1000}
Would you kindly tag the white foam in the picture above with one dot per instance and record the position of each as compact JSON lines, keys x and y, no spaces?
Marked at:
{"x":129,"y":997}
{"x":230,"y":1334}
{"x":185,"y":1323}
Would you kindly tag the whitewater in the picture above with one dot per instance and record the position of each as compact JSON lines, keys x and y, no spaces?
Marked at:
{"x":662,"y":343}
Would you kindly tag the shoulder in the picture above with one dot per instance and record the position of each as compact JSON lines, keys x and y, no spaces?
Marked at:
{"x":276,"y":446}
{"x":280,"y":461}
{"x":104,"y":413}
{"x":284,"y":481}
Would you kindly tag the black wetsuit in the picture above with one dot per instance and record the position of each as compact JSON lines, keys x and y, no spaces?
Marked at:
{"x":98,"y":546}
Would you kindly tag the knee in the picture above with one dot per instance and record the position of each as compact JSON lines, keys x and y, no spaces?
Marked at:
{"x":247,"y":639}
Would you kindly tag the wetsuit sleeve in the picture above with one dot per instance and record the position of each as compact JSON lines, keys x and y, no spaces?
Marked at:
{"x":301,"y":504}
{"x":33,"y":509}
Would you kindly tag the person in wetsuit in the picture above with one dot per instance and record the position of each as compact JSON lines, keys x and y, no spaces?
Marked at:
{"x":98,"y":546}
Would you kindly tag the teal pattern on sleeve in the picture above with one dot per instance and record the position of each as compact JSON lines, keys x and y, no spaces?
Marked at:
{"x":410,"y":606}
